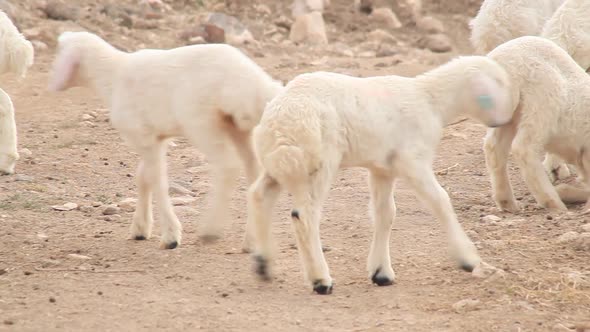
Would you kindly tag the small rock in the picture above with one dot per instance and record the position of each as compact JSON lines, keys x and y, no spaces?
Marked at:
{"x":128,"y":204}
{"x":466,"y":305}
{"x":88,"y":124}
{"x":8,"y":322}
{"x":145,"y":24}
{"x":42,"y":236}
{"x":283,"y":22}
{"x":364,"y":6}
{"x":490,"y":218}
{"x":235,"y":32}
{"x":56,"y":10}
{"x":111,"y":209}
{"x":367,"y":54}
{"x":386,"y":50}
{"x":484,"y":270}
{"x":197,"y":40}
{"x":309,"y":28}
{"x":439,"y":43}
{"x":208,"y":32}
{"x":87,"y":117}
{"x":430,"y":24}
{"x":113,"y":217}
{"x":66,"y":207}
{"x":23,"y":178}
{"x":582,"y":243}
{"x":52,"y":299}
{"x":77,"y":256}
{"x":387,"y":17}
{"x":568,"y":237}
{"x":25,"y":153}
{"x":381,"y":36}
{"x":182,"y":200}
{"x":96,"y":204}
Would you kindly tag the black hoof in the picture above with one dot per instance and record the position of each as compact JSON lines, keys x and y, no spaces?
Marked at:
{"x":321,"y":289}
{"x":295,"y":214}
{"x":262,"y":267}
{"x":139,"y":238}
{"x":467,"y":267}
{"x":171,"y":245}
{"x":381,"y":281}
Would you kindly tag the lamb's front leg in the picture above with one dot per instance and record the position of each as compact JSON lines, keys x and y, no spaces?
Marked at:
{"x":497,"y":144}
{"x":141,"y":227}
{"x":525,"y":152}
{"x":422,"y":179}
{"x":156,"y":171}
{"x":382,"y":209}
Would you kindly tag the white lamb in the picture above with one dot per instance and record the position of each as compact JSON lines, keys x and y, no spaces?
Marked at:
{"x":390,"y":125}
{"x":212,"y":94}
{"x":552,"y":116}
{"x":16,"y":56}
{"x":499,"y":21}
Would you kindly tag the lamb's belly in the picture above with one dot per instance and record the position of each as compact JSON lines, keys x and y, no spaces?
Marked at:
{"x":567,"y":149}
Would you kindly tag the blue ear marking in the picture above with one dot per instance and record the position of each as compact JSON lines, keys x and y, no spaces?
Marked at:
{"x":485,"y":101}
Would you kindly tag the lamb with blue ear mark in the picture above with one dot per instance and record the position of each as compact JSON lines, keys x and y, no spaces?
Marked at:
{"x":16,"y":56}
{"x":564,"y":22}
{"x":212,"y":94}
{"x":390,"y":125}
{"x":553,"y":94}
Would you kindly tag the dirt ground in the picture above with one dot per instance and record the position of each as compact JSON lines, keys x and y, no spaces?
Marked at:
{"x":122,"y":285}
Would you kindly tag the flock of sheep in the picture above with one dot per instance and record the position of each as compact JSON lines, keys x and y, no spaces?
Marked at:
{"x":528,"y":86}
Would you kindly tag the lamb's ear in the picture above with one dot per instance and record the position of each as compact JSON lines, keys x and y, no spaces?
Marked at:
{"x":491,"y":98}
{"x":65,"y":68}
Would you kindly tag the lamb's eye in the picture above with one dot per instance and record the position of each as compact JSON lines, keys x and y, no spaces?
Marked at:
{"x":485,"y":101}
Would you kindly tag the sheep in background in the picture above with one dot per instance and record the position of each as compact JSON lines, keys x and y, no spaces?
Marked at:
{"x":212,"y":94}
{"x":16,"y":56}
{"x":569,"y":28}
{"x":499,"y":21}
{"x":552,"y":115}
{"x":390,"y":125}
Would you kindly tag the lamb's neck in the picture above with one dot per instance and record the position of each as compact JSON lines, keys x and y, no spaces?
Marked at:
{"x":443,"y":92}
{"x":102,"y":71}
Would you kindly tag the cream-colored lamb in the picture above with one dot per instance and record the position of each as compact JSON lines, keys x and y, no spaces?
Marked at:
{"x":551,"y":116}
{"x":16,"y":56}
{"x":212,"y":94}
{"x":390,"y":125}
{"x":499,"y":21}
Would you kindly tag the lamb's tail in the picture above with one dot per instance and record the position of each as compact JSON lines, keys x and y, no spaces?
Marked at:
{"x":288,"y":165}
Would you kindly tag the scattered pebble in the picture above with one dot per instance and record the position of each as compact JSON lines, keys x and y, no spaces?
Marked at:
{"x":111,"y":209}
{"x":490,"y":218}
{"x":77,"y":256}
{"x":66,"y":207}
{"x":184,"y":200}
{"x":52,"y":299}
{"x":466,"y":305}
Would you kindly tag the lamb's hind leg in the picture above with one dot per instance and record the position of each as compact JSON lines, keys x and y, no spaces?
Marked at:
{"x":243,"y":144}
{"x":224,"y":175}
{"x":497,"y":144}
{"x":525,"y":152}
{"x":424,"y":182}
{"x":141,"y":227}
{"x":382,"y":209}
{"x":153,"y":172}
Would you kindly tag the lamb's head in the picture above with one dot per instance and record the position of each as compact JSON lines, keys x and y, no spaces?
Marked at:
{"x":73,"y":50}
{"x":486,"y":94}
